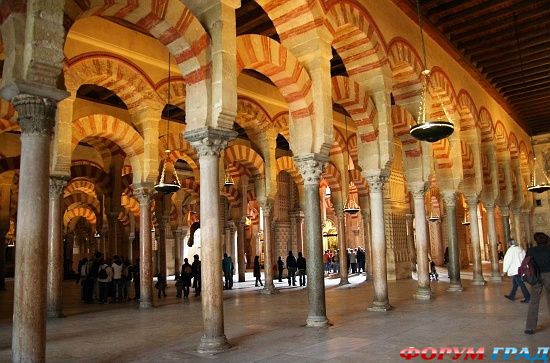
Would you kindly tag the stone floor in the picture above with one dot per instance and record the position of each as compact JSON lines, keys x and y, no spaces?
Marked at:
{"x":271,"y":328}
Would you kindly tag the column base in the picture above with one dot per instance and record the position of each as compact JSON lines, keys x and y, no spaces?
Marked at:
{"x":269,"y":290}
{"x":495,"y":278}
{"x":213,"y":345}
{"x":379,"y":306}
{"x":455,"y":287}
{"x":317,"y":322}
{"x":145,"y":304}
{"x":479,"y":281}
{"x":343,"y":282}
{"x":55,"y":314}
{"x":423,"y":293}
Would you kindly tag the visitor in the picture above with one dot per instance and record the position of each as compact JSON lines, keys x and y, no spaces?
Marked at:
{"x":291,"y":267}
{"x":196,"y":266}
{"x":541,"y":255}
{"x":128,"y":273}
{"x":336,"y":261}
{"x":257,"y":273}
{"x":161,"y":285}
{"x":326,"y":262}
{"x":186,"y":276}
{"x":512,"y":261}
{"x":353,"y":261}
{"x":301,"y":264}
{"x":360,"y":260}
{"x":228,"y":270}
{"x":118,"y":281}
{"x":104,"y":278}
{"x":280,"y":268}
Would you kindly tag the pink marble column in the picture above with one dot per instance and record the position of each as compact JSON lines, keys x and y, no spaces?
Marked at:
{"x":36,"y":116}
{"x":476,"y":243}
{"x":267,"y":208}
{"x":143,"y":193}
{"x":491,"y":226}
{"x":55,"y":248}
{"x":209,"y":143}
{"x":423,"y":291}
{"x":379,"y":271}
{"x":343,"y":268}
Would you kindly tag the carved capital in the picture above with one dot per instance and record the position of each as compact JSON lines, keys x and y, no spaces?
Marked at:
{"x":472,"y":200}
{"x":376,"y":182}
{"x":418,"y":190}
{"x":143,"y":194}
{"x":489,"y":205}
{"x":36,"y":115}
{"x":449,"y":198}
{"x":310,"y":167}
{"x":57,"y":184}
{"x":504,"y":210}
{"x":208,"y":141}
{"x":267,"y":206}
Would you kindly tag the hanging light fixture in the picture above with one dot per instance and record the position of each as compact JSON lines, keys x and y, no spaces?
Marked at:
{"x":425,"y":129}
{"x":164,"y":186}
{"x":350,"y":205}
{"x":466,"y":221}
{"x":228,"y":179}
{"x":538,"y":187}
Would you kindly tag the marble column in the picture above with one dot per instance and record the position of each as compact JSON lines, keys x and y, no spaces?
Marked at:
{"x":410,"y":240}
{"x":449,"y":199}
{"x":311,"y":168}
{"x":178,"y":256}
{"x":164,"y":221}
{"x":267,"y":208}
{"x":131,"y":238}
{"x":476,"y":243}
{"x":241,"y":232}
{"x":365,"y":214}
{"x":527,"y":223}
{"x":505,"y":213}
{"x":517,"y":228}
{"x":55,"y":248}
{"x":209,"y":143}
{"x":423,"y":290}
{"x":36,"y":117}
{"x":343,"y":268}
{"x":5,"y":196}
{"x":143,"y":194}
{"x":491,"y":226}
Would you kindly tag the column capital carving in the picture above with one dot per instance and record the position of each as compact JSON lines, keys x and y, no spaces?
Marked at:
{"x":208,"y":141}
{"x":311,"y":167}
{"x":418,"y":190}
{"x":489,"y":205}
{"x":36,"y":115}
{"x":56,"y":185}
{"x":376,"y":182}
{"x":504,"y":210}
{"x":449,"y":198}
{"x":266,"y":205}
{"x":143,"y":194}
{"x":339,"y":211}
{"x":472,"y":200}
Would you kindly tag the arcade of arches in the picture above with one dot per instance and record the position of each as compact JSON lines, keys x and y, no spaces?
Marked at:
{"x":86,"y":118}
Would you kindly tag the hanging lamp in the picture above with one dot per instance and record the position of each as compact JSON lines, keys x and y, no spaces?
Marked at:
{"x":538,"y":187}
{"x":350,"y":205}
{"x":426,"y":129}
{"x":466,"y":221}
{"x":228,"y":179}
{"x":164,"y":186}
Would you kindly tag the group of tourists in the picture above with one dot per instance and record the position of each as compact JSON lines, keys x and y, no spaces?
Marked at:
{"x":190,"y":276}
{"x":105,"y":280}
{"x":356,"y":261}
{"x":532,"y":266}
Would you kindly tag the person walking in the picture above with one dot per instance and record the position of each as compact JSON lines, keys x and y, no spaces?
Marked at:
{"x":541,"y":255}
{"x":301,"y":264}
{"x":118,"y":281}
{"x":186,"y":276}
{"x":227,"y":267}
{"x":257,"y":273}
{"x":104,"y":278}
{"x":280,"y":268}
{"x":161,"y":285}
{"x":196,"y":266}
{"x":512,"y":261}
{"x":291,"y":266}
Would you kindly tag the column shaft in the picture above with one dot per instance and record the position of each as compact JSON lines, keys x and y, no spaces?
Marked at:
{"x":36,"y":118}
{"x":423,"y":290}
{"x":449,"y":198}
{"x":145,"y":248}
{"x":55,"y":249}
{"x":268,"y":241}
{"x":476,"y":243}
{"x":342,"y":254}
{"x":517,"y":229}
{"x":495,"y":271}
{"x":240,"y":249}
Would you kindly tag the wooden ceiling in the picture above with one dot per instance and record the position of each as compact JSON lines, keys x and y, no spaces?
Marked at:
{"x":507,"y":42}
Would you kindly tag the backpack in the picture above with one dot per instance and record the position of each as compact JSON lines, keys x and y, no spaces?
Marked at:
{"x":187,"y":270}
{"x":102,"y":274}
{"x":529,"y":271}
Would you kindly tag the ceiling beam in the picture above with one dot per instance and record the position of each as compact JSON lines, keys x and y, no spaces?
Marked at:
{"x":530,"y":68}
{"x":505,"y":39}
{"x":494,"y":58}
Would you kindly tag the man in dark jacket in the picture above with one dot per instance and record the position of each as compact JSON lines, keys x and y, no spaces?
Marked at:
{"x":227,"y":266}
{"x":541,"y":255}
{"x":291,"y":266}
{"x":301,"y":263}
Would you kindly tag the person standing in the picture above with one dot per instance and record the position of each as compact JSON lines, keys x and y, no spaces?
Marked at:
{"x":257,"y":272}
{"x":512,"y":261}
{"x":301,"y":263}
{"x":291,"y":266}
{"x":196,"y":266}
{"x":227,"y":267}
{"x":186,"y":276}
{"x":280,"y":268}
{"x":118,"y":281}
{"x":353,"y":261}
{"x":104,"y":278}
{"x":541,"y":255}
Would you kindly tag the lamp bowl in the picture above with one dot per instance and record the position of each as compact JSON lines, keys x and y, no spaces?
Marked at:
{"x":351,"y":210}
{"x":167,"y":188}
{"x":432,"y":131}
{"x":433,"y":219}
{"x":540,"y":188}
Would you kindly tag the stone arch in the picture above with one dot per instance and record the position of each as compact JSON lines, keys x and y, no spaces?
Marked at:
{"x":130,"y":204}
{"x":353,"y":154}
{"x":250,"y":159}
{"x":80,"y":185}
{"x":444,"y":99}
{"x":190,"y":186}
{"x":356,"y":38}
{"x":468,"y":164}
{"x":406,"y":67}
{"x":177,"y":91}
{"x":486,"y":172}
{"x":513,"y":146}
{"x":232,"y":194}
{"x":501,"y":137}
{"x":442,"y":154}
{"x":81,"y":199}
{"x":79,"y":212}
{"x":93,"y":173}
{"x":486,"y":125}
{"x":360,"y":182}
{"x":280,"y":121}
{"x":286,"y":163}
{"x":402,"y":121}
{"x":333,"y":177}
{"x":8,"y":116}
{"x":468,"y":111}
{"x":125,"y":79}
{"x":339,"y":144}
{"x":270,"y":58}
{"x":252,"y":117}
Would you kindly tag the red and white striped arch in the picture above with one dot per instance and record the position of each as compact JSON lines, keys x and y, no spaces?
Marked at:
{"x":468,"y":111}
{"x":190,"y":186}
{"x":232,"y":194}
{"x":126,"y":80}
{"x":444,"y":98}
{"x":513,"y":146}
{"x":81,"y":199}
{"x":442,"y":154}
{"x":79,"y":212}
{"x":286,"y":163}
{"x":406,"y":68}
{"x":80,"y":185}
{"x":130,"y":203}
{"x":339,"y":143}
{"x":360,"y":182}
{"x":501,"y":138}
{"x":177,"y":91}
{"x":280,"y":121}
{"x":111,"y":128}
{"x":245,"y":156}
{"x":252,"y":117}
{"x":270,"y":58}
{"x":356,"y":37}
{"x":468,"y":162}
{"x":353,"y":154}
{"x":402,"y":121}
{"x":486,"y":172}
{"x":92,"y":173}
{"x":169,"y":21}
{"x":333,"y":177}
{"x":486,"y":126}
